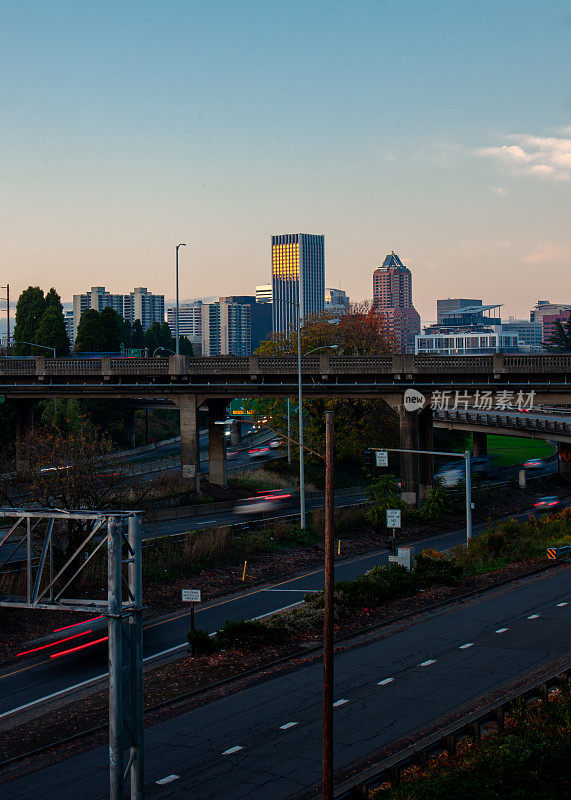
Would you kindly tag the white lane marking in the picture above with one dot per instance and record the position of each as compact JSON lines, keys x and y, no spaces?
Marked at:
{"x":292,"y":590}
{"x":502,"y":630}
{"x":466,"y":646}
{"x":206,"y":522}
{"x":340,"y":702}
{"x":533,"y":616}
{"x":54,"y":694}
{"x":232,"y":750}
{"x":427,"y":663}
{"x":276,"y":610}
{"x":288,"y":725}
{"x":385,"y":681}
{"x":168,"y":779}
{"x":560,"y":605}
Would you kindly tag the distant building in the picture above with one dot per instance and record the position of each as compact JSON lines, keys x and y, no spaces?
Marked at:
{"x":466,"y":342}
{"x":260,"y":318}
{"x":189,"y":321}
{"x":549,"y":323}
{"x":298,"y":278}
{"x":529,"y":334}
{"x":543,"y":307}
{"x":139,"y":304}
{"x":337,"y":301}
{"x":68,"y":319}
{"x":452,"y":304}
{"x":226,"y":329}
{"x":392,"y":296}
{"x":264,"y":293}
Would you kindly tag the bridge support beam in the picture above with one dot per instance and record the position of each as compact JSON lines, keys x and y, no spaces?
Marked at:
{"x":409,"y":461}
{"x":129,"y":427}
{"x":480,"y":443}
{"x":189,"y":439}
{"x":425,"y":462}
{"x":24,"y":424}
{"x":564,"y":460}
{"x":217,"y":443}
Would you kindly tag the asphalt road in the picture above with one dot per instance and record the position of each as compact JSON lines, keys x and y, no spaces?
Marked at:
{"x":33,"y":680}
{"x":264,"y":741}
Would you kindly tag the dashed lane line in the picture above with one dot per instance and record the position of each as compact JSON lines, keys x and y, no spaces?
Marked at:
{"x":502,"y":630}
{"x":232,"y":750}
{"x":168,"y":779}
{"x":288,"y":725}
{"x":385,"y":681}
{"x":340,"y":702}
{"x":560,"y":605}
{"x":533,"y":616}
{"x":466,"y":646}
{"x":427,"y":662}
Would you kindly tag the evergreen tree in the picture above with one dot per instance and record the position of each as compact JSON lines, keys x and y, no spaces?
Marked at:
{"x":560,"y":341}
{"x":159,"y":336}
{"x":127,"y":333}
{"x":137,"y":335}
{"x":53,"y":299}
{"x":90,"y":333}
{"x":185,"y":346}
{"x":29,"y":310}
{"x":113,"y":329}
{"x":52,"y":332}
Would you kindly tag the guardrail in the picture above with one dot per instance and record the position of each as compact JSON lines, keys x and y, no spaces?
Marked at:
{"x":390,"y":769}
{"x":499,"y":419}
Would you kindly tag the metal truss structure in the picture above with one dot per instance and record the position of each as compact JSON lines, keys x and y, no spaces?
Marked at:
{"x":30,"y":541}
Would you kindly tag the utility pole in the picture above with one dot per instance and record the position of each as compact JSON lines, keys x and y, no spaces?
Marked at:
{"x":328,"y":675}
{"x":7,"y":287}
{"x":288,"y":433}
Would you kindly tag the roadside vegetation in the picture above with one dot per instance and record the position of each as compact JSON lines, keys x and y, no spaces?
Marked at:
{"x":529,"y":758}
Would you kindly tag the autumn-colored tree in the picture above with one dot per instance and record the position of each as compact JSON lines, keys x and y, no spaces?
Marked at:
{"x":358,"y":423}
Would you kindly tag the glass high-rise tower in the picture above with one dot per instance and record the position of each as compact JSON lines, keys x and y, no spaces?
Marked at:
{"x":298,"y":278}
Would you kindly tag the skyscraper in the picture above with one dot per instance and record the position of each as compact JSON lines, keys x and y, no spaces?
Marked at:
{"x":392,"y":296}
{"x":298,"y":278}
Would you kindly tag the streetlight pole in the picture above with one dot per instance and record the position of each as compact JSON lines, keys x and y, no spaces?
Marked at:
{"x":42,"y":347}
{"x":7,"y":287}
{"x":328,"y":654}
{"x":182,"y":244}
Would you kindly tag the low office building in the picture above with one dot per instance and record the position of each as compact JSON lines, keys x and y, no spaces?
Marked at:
{"x":139,"y":304}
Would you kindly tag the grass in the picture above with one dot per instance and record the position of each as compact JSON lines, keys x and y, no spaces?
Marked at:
{"x":508,"y":450}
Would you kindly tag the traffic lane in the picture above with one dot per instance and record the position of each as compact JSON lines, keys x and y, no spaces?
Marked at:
{"x":48,"y":676}
{"x":265,"y":741}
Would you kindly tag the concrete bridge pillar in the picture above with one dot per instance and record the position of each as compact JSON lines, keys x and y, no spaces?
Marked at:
{"x":409,"y":461}
{"x":129,"y":427}
{"x":425,"y":462}
{"x":480,"y":443}
{"x":189,"y":439}
{"x":217,"y":473}
{"x":24,"y":424}
{"x":564,"y":460}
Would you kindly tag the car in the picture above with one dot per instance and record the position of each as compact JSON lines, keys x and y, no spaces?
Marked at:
{"x":264,"y":502}
{"x":550,"y":503}
{"x":533,"y":463}
{"x":275,"y":443}
{"x":451,"y":476}
{"x":259,"y":452}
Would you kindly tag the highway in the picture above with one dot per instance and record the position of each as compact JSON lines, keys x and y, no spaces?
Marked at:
{"x":264,"y":741}
{"x":33,"y":680}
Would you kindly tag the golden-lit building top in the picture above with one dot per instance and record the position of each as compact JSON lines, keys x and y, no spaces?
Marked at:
{"x":285,"y":261}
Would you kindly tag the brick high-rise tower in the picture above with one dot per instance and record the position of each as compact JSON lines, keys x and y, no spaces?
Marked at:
{"x":392,"y":296}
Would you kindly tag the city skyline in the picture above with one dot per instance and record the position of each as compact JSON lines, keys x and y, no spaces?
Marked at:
{"x":114,"y":153}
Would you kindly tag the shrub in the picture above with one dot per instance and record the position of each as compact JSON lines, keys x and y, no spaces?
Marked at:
{"x":432,"y":568}
{"x":202,"y":641}
{"x":249,"y":633}
{"x":377,"y":586}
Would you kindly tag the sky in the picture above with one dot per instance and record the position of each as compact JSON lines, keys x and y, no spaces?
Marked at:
{"x":440,"y":130}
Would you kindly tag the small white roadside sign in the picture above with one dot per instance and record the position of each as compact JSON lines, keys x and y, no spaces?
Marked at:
{"x":393,"y":517}
{"x":191,"y":595}
{"x":382,"y":458}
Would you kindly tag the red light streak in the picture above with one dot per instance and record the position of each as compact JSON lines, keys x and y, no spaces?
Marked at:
{"x":75,"y":624}
{"x":53,"y":644}
{"x":80,"y":647}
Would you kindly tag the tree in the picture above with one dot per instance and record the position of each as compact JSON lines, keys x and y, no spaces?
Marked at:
{"x":159,"y":335}
{"x":137,"y":335}
{"x":185,"y":347}
{"x":90,"y":333}
{"x":358,"y":423}
{"x":560,"y":341}
{"x":29,"y":310}
{"x":52,"y":332}
{"x":113,"y":330}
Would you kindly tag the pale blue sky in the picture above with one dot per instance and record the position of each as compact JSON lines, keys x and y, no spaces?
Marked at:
{"x":439,"y":129}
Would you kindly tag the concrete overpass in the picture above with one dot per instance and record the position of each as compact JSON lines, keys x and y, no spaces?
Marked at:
{"x":192,"y":383}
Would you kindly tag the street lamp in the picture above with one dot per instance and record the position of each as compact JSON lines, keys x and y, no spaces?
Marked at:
{"x":42,"y":347}
{"x":182,"y":244}
{"x":156,"y":350}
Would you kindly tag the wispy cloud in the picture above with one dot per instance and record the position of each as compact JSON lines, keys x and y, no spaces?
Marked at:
{"x":499,"y":190}
{"x":548,"y":252}
{"x":542,"y":156}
